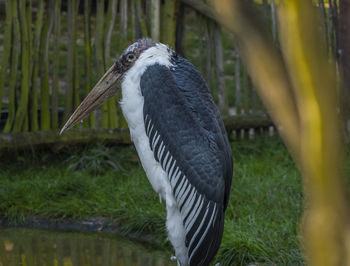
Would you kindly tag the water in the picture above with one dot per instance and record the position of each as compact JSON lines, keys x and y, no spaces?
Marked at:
{"x":33,"y":247}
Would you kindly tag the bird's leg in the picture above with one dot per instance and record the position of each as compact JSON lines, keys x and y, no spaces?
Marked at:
{"x":160,"y":198}
{"x":173,"y":258}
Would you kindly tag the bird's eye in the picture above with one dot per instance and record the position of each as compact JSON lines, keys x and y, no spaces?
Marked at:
{"x":131,"y":57}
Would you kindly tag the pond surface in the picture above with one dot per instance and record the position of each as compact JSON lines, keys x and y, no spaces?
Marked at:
{"x":29,"y":247}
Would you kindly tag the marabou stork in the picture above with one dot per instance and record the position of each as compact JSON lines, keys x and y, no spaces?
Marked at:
{"x":180,"y":139}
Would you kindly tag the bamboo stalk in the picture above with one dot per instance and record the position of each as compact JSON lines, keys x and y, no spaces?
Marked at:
{"x":71,"y":42}
{"x":45,"y":121}
{"x":30,"y":36}
{"x":273,"y":19}
{"x":56,"y":51}
{"x":180,"y":30}
{"x":167,"y":26}
{"x":122,"y":45}
{"x":124,"y":18}
{"x":88,"y":74}
{"x":245,"y":91}
{"x":132,"y":4}
{"x":238,"y":83}
{"x":25,"y":65}
{"x":155,"y":20}
{"x":72,"y":96}
{"x":7,"y":47}
{"x":34,"y":89}
{"x":100,"y":55}
{"x":141,"y":18}
{"x":14,"y":68}
{"x":333,"y":16}
{"x":203,"y":33}
{"x":31,"y":53}
{"x":110,"y":22}
{"x":75,"y":53}
{"x":208,"y":66}
{"x":222,"y":99}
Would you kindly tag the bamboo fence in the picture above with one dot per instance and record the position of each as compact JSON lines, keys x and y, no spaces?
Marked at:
{"x":53,"y":52}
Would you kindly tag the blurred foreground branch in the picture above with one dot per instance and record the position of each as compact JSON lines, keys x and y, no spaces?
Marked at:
{"x":299,"y":90}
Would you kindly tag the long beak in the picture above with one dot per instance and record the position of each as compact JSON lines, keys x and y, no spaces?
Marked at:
{"x":103,"y":90}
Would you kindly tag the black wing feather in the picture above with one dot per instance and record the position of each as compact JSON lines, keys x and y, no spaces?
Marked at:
{"x":188,"y":139}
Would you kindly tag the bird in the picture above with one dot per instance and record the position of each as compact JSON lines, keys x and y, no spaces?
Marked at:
{"x":180,"y":139}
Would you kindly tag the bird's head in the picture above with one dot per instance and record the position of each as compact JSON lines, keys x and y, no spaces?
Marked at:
{"x":109,"y":84}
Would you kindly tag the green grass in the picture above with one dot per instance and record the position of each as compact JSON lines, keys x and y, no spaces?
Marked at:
{"x":261,"y":220}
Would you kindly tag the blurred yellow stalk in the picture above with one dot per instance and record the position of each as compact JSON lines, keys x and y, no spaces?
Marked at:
{"x":299,"y":89}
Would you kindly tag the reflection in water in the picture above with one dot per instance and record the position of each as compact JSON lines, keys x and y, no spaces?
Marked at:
{"x":33,"y":247}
